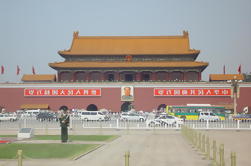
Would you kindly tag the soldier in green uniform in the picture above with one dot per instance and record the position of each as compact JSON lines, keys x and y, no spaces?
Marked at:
{"x":64,"y":120}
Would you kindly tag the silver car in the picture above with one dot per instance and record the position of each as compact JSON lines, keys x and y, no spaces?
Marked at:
{"x":165,"y":120}
{"x":8,"y":117}
{"x":132,"y":117}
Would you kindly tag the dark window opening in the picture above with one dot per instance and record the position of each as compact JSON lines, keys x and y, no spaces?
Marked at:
{"x":128,"y":77}
{"x":80,"y":76}
{"x":95,"y":76}
{"x":176,"y":76}
{"x":65,"y":76}
{"x":110,"y":77}
{"x":192,"y":76}
{"x":161,"y":76}
{"x":146,"y":77}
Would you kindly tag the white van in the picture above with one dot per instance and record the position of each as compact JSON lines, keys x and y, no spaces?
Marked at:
{"x":92,"y":115}
{"x":30,"y":113}
{"x":208,"y":116}
{"x":8,"y":117}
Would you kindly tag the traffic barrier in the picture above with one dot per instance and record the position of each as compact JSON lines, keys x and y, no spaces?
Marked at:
{"x":195,"y":139}
{"x":221,"y":151}
{"x":202,"y":143}
{"x":214,"y":151}
{"x":200,"y":146}
{"x":207,"y":148}
{"x":203,"y":149}
{"x":233,"y":159}
{"x":127,"y":156}
{"x":19,"y":157}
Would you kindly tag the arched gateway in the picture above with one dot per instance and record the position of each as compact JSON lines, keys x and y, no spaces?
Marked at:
{"x":92,"y":107}
{"x":126,"y":106}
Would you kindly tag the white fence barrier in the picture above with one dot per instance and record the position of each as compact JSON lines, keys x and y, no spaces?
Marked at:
{"x":117,"y":124}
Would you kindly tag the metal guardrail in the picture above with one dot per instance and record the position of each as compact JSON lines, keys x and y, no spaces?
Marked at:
{"x":118,"y":124}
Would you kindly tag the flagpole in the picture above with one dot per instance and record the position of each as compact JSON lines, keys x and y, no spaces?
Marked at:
{"x":2,"y":69}
{"x":239,"y":69}
{"x":33,"y":70}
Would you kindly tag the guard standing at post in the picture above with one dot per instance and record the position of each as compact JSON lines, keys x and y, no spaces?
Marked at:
{"x":64,"y":123}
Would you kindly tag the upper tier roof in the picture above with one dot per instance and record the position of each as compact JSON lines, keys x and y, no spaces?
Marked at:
{"x":129,"y":45}
{"x":124,"y":64}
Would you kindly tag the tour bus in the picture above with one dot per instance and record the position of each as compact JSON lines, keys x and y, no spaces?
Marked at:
{"x":195,"y":112}
{"x":93,"y":115}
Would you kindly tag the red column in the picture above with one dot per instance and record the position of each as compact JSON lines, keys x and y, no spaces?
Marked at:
{"x":199,"y":76}
{"x":73,"y":76}
{"x":138,"y":74}
{"x":117,"y":77}
{"x":102,"y":76}
{"x":168,"y":76}
{"x":153,"y":76}
{"x":87,"y":76}
{"x":185,"y":76}
{"x":59,"y":77}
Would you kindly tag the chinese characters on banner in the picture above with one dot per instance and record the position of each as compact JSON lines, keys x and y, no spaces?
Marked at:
{"x":192,"y":91}
{"x":62,"y":92}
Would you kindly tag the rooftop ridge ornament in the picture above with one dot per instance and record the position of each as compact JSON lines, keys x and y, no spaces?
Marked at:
{"x":185,"y":33}
{"x":75,"y":34}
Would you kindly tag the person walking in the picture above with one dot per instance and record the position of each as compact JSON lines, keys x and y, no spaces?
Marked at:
{"x":64,"y":120}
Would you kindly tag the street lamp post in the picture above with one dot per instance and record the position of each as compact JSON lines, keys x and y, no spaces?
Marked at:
{"x":235,"y":88}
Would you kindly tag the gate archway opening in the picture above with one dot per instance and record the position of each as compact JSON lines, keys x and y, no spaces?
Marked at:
{"x":92,"y":107}
{"x":161,"y":107}
{"x":126,"y":106}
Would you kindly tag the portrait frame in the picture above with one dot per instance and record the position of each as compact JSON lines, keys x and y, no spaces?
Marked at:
{"x":127,"y":93}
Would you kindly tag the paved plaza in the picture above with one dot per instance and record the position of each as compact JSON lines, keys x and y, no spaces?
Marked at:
{"x":147,"y":148}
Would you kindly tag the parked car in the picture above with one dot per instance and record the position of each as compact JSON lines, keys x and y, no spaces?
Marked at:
{"x":208,"y":116}
{"x":8,"y":117}
{"x":93,"y":115}
{"x":132,"y":117}
{"x":165,"y":120}
{"x":46,"y":116}
{"x":30,"y":113}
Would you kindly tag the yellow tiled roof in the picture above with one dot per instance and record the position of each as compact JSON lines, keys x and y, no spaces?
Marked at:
{"x":225,"y":77}
{"x":34,"y":106}
{"x":38,"y":77}
{"x":129,"y":45}
{"x":126,"y":64}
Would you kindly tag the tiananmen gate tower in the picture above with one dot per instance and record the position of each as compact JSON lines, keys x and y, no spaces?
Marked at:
{"x":117,"y":72}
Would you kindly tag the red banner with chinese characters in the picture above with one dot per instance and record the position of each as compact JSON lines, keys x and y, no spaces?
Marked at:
{"x":192,"y":91}
{"x":62,"y":92}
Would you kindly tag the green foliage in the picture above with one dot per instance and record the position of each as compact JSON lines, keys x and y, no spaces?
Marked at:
{"x":55,"y":150}
{"x":9,"y":136}
{"x":77,"y":137}
{"x":39,"y":151}
{"x":71,"y":137}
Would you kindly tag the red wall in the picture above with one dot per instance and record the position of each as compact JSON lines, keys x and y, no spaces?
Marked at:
{"x":13,"y":98}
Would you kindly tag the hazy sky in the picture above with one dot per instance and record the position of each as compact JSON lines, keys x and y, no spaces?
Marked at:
{"x":32,"y":31}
